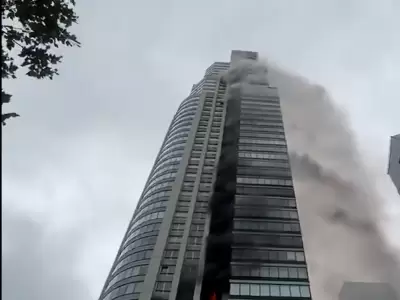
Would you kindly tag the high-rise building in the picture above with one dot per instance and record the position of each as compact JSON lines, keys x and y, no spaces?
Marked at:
{"x":394,"y":161}
{"x":217,"y":218}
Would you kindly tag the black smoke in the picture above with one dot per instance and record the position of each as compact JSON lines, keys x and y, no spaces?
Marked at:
{"x":219,"y":242}
{"x":218,"y":249}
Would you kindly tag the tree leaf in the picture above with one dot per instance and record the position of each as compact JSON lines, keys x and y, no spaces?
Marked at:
{"x":5,"y":97}
{"x":6,"y":116}
{"x":43,"y":26}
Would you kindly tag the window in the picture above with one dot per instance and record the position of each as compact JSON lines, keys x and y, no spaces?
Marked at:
{"x":262,"y":142}
{"x":141,"y":230}
{"x":254,"y":290}
{"x":254,"y":134}
{"x":305,"y":291}
{"x":265,"y":290}
{"x":180,"y":214}
{"x":295,"y":291}
{"x":182,"y":208}
{"x":177,"y":233}
{"x":135,"y":271}
{"x":235,"y":289}
{"x":197,"y":227}
{"x":141,"y":255}
{"x":266,"y":181}
{"x":163,"y":286}
{"x":177,"y":226}
{"x":302,"y":273}
{"x":124,"y":289}
{"x":167,"y":270}
{"x":159,"y":195}
{"x":274,"y":290}
{"x":149,"y":207}
{"x":259,"y":155}
{"x":244,"y":289}
{"x":192,"y":254}
{"x":139,"y":242}
{"x":271,"y":256}
{"x":152,"y":216}
{"x":170,"y":254}
{"x":194,"y":241}
{"x":266,"y":226}
{"x":300,"y":256}
{"x":174,"y":239}
{"x":263,"y":163}
{"x":200,"y":215}
{"x":262,"y":148}
{"x":265,"y":190}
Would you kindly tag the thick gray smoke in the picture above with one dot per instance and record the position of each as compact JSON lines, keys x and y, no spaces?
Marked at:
{"x":338,"y":203}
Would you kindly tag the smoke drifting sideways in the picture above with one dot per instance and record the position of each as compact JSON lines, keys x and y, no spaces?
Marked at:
{"x":339,"y":206}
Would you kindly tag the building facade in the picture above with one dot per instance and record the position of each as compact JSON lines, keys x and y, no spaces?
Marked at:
{"x":247,"y":243}
{"x":394,"y":161}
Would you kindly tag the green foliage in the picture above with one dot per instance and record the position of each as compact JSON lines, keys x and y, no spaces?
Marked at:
{"x":31,"y":30}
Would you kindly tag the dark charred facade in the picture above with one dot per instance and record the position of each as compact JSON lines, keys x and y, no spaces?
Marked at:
{"x":217,"y":218}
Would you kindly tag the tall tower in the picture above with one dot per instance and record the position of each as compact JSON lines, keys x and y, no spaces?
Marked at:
{"x":217,"y":217}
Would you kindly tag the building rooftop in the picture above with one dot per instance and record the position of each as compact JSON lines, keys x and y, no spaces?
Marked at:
{"x":397,"y":136}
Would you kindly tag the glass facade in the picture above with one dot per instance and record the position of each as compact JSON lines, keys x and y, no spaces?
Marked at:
{"x":131,"y":264}
{"x":268,"y":258}
{"x":163,"y":252}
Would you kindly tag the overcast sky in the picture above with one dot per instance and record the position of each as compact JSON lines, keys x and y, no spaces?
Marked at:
{"x":76,"y":161}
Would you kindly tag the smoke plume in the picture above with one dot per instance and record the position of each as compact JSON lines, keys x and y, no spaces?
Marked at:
{"x":338,"y":203}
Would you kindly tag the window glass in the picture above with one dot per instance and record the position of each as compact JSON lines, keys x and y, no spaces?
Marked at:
{"x":265,"y":290}
{"x":291,"y":255}
{"x":255,"y":272}
{"x":305,"y":291}
{"x":285,"y":290}
{"x":300,"y":256}
{"x":264,"y":272}
{"x":254,"y":290}
{"x":283,"y":272}
{"x":244,"y":289}
{"x":302,"y":273}
{"x":130,"y":289}
{"x":274,"y":290}
{"x":295,"y":291}
{"x":274,"y":272}
{"x":293,"y":273}
{"x":235,"y":289}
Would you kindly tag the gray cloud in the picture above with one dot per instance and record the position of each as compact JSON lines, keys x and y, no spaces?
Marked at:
{"x":339,"y":206}
{"x":38,"y":264}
